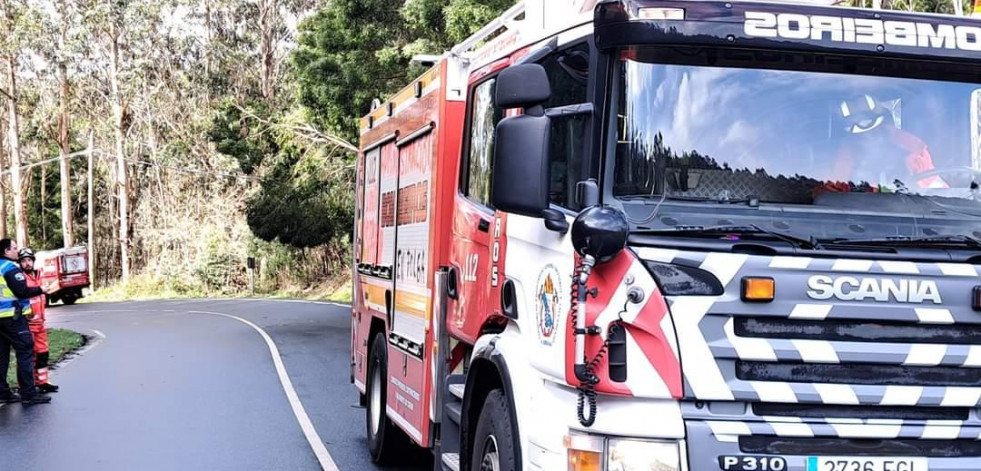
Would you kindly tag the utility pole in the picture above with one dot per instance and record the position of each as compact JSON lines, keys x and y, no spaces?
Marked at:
{"x":44,"y":196}
{"x":91,"y":215}
{"x":64,"y":129}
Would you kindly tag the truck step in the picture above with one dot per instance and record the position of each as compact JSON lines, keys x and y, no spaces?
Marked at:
{"x":451,"y":461}
{"x":457,"y":390}
{"x":454,"y":410}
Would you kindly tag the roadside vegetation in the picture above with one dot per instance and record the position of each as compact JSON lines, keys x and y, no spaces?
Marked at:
{"x":336,"y":289}
{"x":61,"y":342}
{"x":180,"y":139}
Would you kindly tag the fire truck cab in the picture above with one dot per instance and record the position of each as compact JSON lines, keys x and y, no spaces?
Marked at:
{"x":70,"y":268}
{"x":677,"y":235}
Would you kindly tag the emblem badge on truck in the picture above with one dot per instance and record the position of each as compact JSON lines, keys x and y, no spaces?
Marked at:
{"x":850,"y":288}
{"x":547,"y":304}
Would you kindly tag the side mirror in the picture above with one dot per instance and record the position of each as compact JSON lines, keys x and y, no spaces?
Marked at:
{"x":523,"y":86}
{"x":520,"y":182}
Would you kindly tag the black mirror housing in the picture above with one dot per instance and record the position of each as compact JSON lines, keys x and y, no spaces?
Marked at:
{"x":523,"y":86}
{"x":521,"y":174}
{"x":520,"y":183}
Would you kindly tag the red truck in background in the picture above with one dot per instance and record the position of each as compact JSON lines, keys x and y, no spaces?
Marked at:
{"x":70,"y":267}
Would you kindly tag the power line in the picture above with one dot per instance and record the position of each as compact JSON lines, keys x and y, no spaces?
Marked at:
{"x":188,"y":171}
{"x":106,"y":155}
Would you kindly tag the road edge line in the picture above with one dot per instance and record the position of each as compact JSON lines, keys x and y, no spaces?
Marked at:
{"x":100,"y":337}
{"x":309,"y":431}
{"x":76,"y":353}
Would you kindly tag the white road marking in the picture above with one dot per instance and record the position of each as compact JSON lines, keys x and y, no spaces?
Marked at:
{"x":309,"y":431}
{"x":75,"y":355}
{"x":326,"y":303}
{"x":323,"y":456}
{"x":101,"y":337}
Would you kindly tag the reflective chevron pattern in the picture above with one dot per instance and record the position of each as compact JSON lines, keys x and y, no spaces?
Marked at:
{"x":861,"y":334}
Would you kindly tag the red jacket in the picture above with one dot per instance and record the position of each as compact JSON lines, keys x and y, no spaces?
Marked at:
{"x":37,"y":302}
{"x":888,"y":139}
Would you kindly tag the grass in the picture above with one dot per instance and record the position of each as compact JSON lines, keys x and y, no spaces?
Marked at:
{"x":148,"y":287}
{"x":60,"y":341}
{"x":144,"y":287}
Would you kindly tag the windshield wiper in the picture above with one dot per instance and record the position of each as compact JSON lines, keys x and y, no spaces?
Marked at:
{"x":907,"y":241}
{"x":743,"y":230}
{"x":752,"y":201}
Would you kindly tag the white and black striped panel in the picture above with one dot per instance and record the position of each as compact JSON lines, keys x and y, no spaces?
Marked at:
{"x":870,"y":429}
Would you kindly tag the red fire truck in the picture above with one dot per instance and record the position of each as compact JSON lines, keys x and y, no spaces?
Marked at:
{"x":69,"y":267}
{"x":677,"y":235}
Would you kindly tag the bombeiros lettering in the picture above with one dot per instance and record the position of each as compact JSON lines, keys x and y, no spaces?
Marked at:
{"x":862,"y":31}
{"x":850,"y":288}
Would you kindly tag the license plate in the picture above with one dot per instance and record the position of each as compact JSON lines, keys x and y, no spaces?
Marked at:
{"x":855,"y":463}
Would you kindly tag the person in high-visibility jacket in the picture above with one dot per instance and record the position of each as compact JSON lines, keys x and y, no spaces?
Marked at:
{"x":35,"y":320}
{"x":14,"y":330}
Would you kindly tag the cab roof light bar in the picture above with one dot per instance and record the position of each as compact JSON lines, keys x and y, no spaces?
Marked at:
{"x":660,"y":13}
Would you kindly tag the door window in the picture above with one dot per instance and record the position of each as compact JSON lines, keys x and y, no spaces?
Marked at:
{"x":568,"y":75}
{"x":479,"y":162}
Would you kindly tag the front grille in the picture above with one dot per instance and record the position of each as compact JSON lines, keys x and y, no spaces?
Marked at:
{"x":879,"y":375}
{"x":865,"y":412}
{"x":859,"y":447}
{"x":857,"y":331}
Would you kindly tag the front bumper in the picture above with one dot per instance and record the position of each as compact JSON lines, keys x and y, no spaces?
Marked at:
{"x":708,"y":440}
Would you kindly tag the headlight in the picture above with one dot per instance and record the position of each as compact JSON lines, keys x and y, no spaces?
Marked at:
{"x":636,"y":455}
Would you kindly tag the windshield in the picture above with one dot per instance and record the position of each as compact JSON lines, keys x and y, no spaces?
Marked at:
{"x":792,"y":137}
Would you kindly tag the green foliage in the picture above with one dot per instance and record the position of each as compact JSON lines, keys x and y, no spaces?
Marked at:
{"x":439,"y":24}
{"x":148,"y":286}
{"x":242,"y":136}
{"x":463,"y":17}
{"x":299,"y":205}
{"x":216,"y":264}
{"x":354,"y":51}
{"x":348,"y":54}
{"x":930,"y":6}
{"x":342,"y":295}
{"x":305,"y":195}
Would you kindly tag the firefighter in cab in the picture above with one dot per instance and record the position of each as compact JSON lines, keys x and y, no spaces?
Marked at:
{"x":35,"y":316}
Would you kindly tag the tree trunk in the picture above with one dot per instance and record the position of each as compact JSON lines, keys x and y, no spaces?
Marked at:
{"x":64,"y":140}
{"x":91,"y":216}
{"x":208,"y":52}
{"x":267,"y":8}
{"x":121,"y":173}
{"x":958,"y":7}
{"x":44,"y":197}
{"x":4,"y":158}
{"x":13,"y":135}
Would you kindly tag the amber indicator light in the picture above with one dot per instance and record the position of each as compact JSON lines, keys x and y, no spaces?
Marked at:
{"x":758,"y":289}
{"x":581,"y":460}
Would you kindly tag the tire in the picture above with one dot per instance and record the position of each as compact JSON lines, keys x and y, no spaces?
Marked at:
{"x":494,"y":437}
{"x":69,"y":300}
{"x":385,"y":441}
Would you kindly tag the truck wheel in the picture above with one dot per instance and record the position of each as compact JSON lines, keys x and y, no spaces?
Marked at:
{"x":385,"y":440}
{"x":69,"y":300}
{"x":494,"y":436}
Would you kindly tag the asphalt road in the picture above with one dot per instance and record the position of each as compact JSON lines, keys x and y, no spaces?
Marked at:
{"x":176,"y":385}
